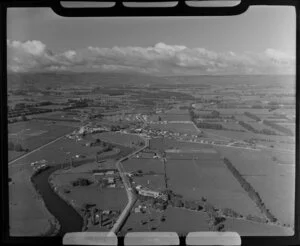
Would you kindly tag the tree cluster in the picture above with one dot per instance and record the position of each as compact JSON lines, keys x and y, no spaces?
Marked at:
{"x":16,"y":147}
{"x":82,"y":182}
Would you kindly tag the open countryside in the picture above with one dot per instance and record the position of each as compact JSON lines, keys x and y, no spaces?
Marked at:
{"x":139,"y":164}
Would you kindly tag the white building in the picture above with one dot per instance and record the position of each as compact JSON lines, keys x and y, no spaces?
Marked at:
{"x":150,"y":193}
{"x":110,"y":173}
{"x":82,"y":130}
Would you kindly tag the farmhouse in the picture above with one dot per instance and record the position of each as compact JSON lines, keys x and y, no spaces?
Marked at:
{"x":150,"y":193}
{"x":110,"y":173}
{"x":110,"y":180}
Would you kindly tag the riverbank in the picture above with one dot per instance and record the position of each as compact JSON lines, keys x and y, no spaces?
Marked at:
{"x":69,"y":219}
{"x":83,"y":198}
{"x":64,"y":198}
{"x":28,"y":213}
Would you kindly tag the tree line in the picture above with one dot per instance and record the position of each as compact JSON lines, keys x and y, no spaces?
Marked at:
{"x":16,"y":147}
{"x":252,"y":129}
{"x":252,"y":116}
{"x":278,"y":127}
{"x":250,"y":190}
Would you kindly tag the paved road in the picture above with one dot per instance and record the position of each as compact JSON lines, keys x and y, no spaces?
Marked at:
{"x":127,"y":185}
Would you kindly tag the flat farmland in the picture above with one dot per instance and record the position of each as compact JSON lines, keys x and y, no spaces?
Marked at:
{"x":32,"y":134}
{"x":63,"y":114}
{"x":65,"y":179}
{"x":282,"y":158}
{"x":167,"y":143}
{"x":282,"y":147}
{"x":51,"y":98}
{"x":153,"y":117}
{"x":208,"y":177}
{"x":290,"y":126}
{"x":178,"y":111}
{"x":245,"y":118}
{"x":245,"y":135}
{"x":184,"y":221}
{"x":175,"y":117}
{"x":146,"y":165}
{"x":59,"y":116}
{"x":240,"y":111}
{"x":118,"y":138}
{"x":134,"y":221}
{"x":285,"y":111}
{"x":232,"y":125}
{"x":250,"y":228}
{"x":176,"y":219}
{"x":207,"y":156}
{"x":188,"y":128}
{"x":52,"y":107}
{"x":28,"y":215}
{"x":260,"y":126}
{"x":154,"y":182}
{"x":250,"y":98}
{"x":274,"y":180}
{"x":223,"y":134}
{"x":105,"y":198}
{"x":189,"y":153}
{"x":263,"y":163}
{"x":277,"y":193}
{"x":14,"y":154}
{"x":89,"y":167}
{"x":58,"y":152}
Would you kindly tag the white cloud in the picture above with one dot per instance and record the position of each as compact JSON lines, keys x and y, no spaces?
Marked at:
{"x":57,"y":68}
{"x":33,"y":47}
{"x":158,"y":59}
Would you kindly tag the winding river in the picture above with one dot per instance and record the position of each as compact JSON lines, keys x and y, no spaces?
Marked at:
{"x":68,"y":218}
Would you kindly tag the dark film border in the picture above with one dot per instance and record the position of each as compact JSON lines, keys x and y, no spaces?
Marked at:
{"x":181,"y":9}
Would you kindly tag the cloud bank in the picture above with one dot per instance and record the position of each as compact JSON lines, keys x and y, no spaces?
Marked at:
{"x":160,"y":59}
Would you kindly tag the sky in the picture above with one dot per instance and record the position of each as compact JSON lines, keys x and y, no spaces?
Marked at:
{"x":260,"y":41}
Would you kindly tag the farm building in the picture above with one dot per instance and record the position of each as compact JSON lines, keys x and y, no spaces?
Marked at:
{"x":150,"y":193}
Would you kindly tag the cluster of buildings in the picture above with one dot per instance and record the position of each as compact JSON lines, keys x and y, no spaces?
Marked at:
{"x":39,"y":165}
{"x":164,"y":133}
{"x":150,"y":193}
{"x":90,"y":129}
{"x":106,"y":177}
{"x":77,"y":135}
{"x":104,"y":218}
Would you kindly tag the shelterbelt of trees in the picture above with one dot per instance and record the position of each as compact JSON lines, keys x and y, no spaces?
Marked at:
{"x":16,"y":147}
{"x":252,"y":116}
{"x":250,"y":190}
{"x":252,"y":129}
{"x":278,"y":127}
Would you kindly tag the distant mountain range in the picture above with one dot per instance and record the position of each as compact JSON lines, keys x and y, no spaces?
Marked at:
{"x":73,"y":79}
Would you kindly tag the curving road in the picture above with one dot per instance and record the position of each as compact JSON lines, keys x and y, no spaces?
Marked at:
{"x":127,"y":185}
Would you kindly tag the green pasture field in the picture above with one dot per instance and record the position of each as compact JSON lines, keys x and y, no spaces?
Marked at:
{"x":118,"y":138}
{"x":208,"y":177}
{"x":146,"y":165}
{"x":273,"y":179}
{"x":188,"y":128}
{"x":250,"y":228}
